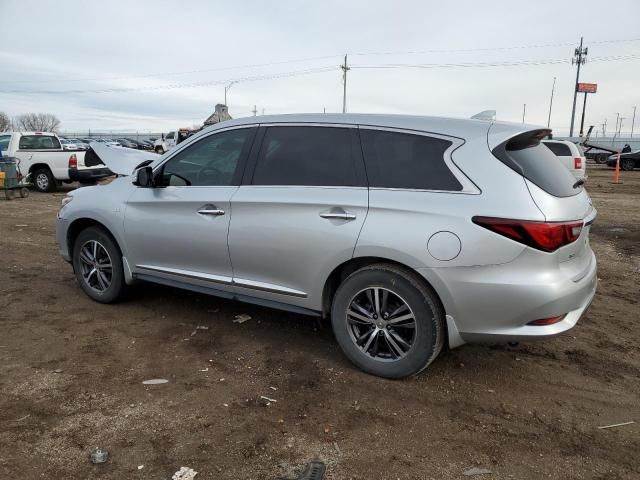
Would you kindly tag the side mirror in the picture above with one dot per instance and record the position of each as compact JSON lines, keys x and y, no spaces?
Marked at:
{"x":144,"y":177}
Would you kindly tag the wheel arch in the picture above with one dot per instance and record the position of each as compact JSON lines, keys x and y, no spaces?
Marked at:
{"x":346,"y":268}
{"x":80,"y":224}
{"x":38,"y":166}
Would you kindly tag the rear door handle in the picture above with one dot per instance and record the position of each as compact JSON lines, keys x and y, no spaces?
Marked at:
{"x":210,"y":210}
{"x":339,"y":215}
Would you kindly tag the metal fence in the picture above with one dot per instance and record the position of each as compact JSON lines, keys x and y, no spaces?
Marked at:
{"x":132,"y":134}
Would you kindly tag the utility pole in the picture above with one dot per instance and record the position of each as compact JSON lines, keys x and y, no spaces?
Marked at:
{"x":604,"y":128}
{"x":255,"y":111}
{"x":551,"y":101}
{"x":584,"y":107}
{"x":226,"y":89}
{"x":578,"y":59}
{"x":524,"y":111}
{"x":633,"y":122}
{"x":345,"y":69}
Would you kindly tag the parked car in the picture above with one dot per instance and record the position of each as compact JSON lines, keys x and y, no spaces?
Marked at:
{"x":170,"y":140}
{"x":80,"y":144}
{"x":570,"y":154}
{"x":141,"y":144}
{"x":409,"y":232}
{"x":42,"y":155}
{"x":68,"y":144}
{"x":628,"y":161}
{"x":125,"y":142}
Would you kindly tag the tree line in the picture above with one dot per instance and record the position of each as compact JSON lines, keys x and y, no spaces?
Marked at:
{"x":29,"y":122}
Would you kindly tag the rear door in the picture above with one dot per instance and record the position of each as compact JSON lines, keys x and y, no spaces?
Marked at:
{"x":298,"y":213}
{"x":178,"y":230}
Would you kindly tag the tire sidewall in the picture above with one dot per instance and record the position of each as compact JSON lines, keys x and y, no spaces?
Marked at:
{"x":627,"y":164}
{"x":50,"y":180}
{"x":117,"y":281}
{"x":424,"y":309}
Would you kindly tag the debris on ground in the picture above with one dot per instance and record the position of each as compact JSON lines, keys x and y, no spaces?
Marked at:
{"x":155,"y":381}
{"x":616,"y":425}
{"x":140,"y":467}
{"x":185,"y":473}
{"x":476,"y":471}
{"x":268,"y":400}
{"x":241,"y":318}
{"x":199,"y":327}
{"x":98,"y":455}
{"x":57,"y":370}
{"x":273,"y":388}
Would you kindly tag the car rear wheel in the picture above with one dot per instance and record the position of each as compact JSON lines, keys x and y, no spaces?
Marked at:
{"x":627,"y":164}
{"x":97,"y":263}
{"x":43,"y":180}
{"x":387,"y":321}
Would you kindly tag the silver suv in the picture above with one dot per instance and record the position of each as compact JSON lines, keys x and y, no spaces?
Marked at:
{"x":411,"y":233}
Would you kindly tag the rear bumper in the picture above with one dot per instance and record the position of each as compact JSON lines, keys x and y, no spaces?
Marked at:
{"x":88,"y":174}
{"x":495,"y":303}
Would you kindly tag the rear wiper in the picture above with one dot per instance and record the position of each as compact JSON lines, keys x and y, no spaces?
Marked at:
{"x":579,"y":183}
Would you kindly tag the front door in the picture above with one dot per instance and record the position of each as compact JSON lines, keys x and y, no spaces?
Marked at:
{"x":178,"y":230}
{"x":300,"y":215}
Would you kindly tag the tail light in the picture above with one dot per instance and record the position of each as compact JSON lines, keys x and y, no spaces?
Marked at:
{"x":545,"y":236}
{"x":577,"y":163}
{"x":73,"y":161}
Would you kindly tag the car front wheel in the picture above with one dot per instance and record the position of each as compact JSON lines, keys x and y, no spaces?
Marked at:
{"x":97,"y":263}
{"x":627,"y":164}
{"x":387,"y":321}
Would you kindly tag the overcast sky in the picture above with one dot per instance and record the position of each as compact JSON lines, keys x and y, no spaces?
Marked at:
{"x":108,"y":65}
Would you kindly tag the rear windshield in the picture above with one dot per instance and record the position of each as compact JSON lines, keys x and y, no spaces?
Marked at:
{"x":534,"y":161}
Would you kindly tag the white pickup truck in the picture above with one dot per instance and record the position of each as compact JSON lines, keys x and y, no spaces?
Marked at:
{"x":41,"y":155}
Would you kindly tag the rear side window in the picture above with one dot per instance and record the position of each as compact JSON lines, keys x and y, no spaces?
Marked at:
{"x":560,"y":149}
{"x":402,"y":160}
{"x":313,"y":156}
{"x":526,"y":155}
{"x":38,"y":142}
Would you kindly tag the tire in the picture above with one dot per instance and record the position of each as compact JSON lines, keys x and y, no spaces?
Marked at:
{"x":376,"y":354}
{"x":9,"y":194}
{"x":627,"y":164}
{"x":43,"y":180}
{"x":104,"y":286}
{"x":24,"y":192}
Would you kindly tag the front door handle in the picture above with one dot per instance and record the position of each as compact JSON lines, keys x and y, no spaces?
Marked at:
{"x":339,"y":215}
{"x":211,"y":210}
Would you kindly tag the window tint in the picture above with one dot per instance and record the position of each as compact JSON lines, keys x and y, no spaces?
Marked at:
{"x":402,"y":160}
{"x":38,"y":142}
{"x":4,"y":142}
{"x":560,"y":149}
{"x":212,"y":161}
{"x":314,"y":156}
{"x":528,"y":156}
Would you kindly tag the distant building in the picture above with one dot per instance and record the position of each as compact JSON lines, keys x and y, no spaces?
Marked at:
{"x":220,"y":114}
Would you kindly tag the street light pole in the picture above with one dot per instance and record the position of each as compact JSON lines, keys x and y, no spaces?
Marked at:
{"x":226,"y":89}
{"x":345,"y":69}
{"x":551,"y":101}
{"x":524,"y":111}
{"x":633,"y":122}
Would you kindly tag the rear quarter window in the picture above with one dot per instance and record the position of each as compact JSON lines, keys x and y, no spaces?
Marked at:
{"x":529,"y":157}
{"x":560,"y":149}
{"x":404,"y":160}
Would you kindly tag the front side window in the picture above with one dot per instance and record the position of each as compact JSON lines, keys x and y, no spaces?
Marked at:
{"x":212,"y":161}
{"x":39,"y":142}
{"x":310,"y":156}
{"x":170,"y":135}
{"x":4,"y":142}
{"x":403,"y":160}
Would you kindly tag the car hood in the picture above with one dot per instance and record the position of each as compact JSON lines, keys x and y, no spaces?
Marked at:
{"x":121,"y":160}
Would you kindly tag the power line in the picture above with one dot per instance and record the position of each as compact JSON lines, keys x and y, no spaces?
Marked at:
{"x":207,"y":83}
{"x":322,"y":57}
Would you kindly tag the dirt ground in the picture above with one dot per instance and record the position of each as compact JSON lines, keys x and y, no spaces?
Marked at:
{"x":71,"y":374}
